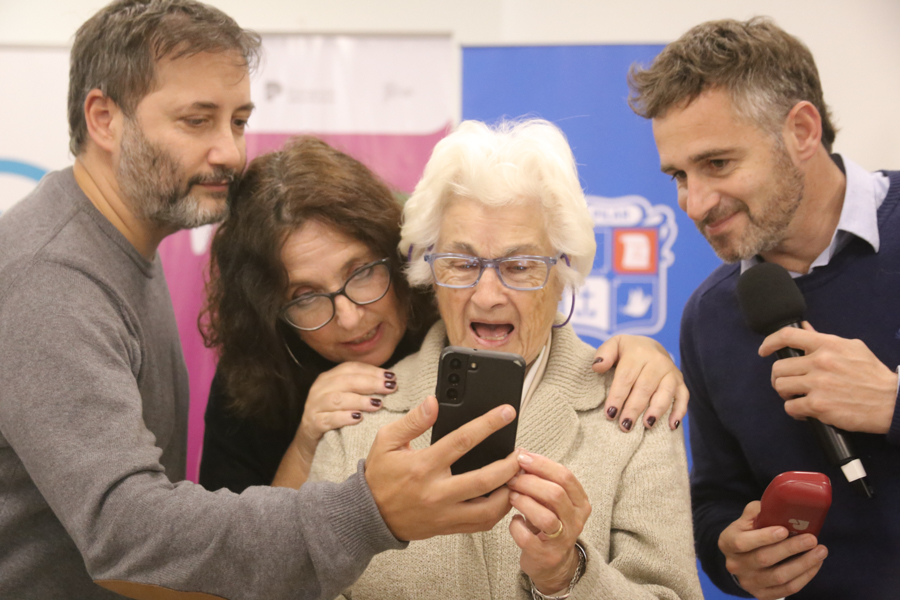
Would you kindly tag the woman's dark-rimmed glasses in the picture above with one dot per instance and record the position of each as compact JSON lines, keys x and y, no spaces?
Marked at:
{"x":366,"y":285}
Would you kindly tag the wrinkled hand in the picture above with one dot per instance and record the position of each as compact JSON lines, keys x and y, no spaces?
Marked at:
{"x":839,"y":381}
{"x":415,"y":492}
{"x":548,"y":496}
{"x":768,"y":563}
{"x":645,"y":379}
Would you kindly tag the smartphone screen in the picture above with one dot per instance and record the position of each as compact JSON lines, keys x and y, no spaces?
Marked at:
{"x":470,"y":384}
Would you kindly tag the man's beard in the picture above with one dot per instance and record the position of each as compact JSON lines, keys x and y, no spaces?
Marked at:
{"x":766,"y":228}
{"x":154,"y":183}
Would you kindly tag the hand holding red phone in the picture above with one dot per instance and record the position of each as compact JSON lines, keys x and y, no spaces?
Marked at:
{"x":796,"y":500}
{"x":760,"y":551}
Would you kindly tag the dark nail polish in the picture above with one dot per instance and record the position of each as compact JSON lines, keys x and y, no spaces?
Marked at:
{"x":375,"y":402}
{"x":677,"y":424}
{"x":389,"y":375}
{"x":357,"y":416}
{"x":611,"y":412}
{"x":390,"y":384}
{"x":598,"y":360}
{"x":651,"y":421}
{"x":626,"y":424}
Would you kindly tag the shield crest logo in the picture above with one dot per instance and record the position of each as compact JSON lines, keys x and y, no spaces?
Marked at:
{"x":626,"y":289}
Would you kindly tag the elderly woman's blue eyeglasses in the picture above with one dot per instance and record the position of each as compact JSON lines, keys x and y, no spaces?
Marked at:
{"x":524,"y":273}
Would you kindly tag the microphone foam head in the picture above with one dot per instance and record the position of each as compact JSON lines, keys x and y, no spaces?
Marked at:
{"x":769,"y":298}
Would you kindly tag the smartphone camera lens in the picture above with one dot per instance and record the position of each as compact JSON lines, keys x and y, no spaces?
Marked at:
{"x":455,"y":363}
{"x":453,"y":378}
{"x":452,"y":394}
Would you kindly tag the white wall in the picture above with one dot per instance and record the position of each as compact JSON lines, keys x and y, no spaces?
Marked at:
{"x":856,"y":43}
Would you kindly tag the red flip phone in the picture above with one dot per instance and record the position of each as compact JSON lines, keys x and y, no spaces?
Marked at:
{"x":796,"y":500}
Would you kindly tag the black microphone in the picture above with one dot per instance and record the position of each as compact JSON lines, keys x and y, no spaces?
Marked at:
{"x":771,"y":300}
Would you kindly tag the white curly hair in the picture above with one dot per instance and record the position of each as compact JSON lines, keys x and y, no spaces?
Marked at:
{"x":513,"y":162}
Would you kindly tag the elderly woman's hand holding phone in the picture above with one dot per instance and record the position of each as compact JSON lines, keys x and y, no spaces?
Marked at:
{"x":553,"y":509}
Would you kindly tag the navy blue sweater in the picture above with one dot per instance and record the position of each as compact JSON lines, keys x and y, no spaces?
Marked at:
{"x":741,"y":436}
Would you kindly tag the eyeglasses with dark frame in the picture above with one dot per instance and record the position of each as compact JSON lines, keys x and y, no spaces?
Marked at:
{"x":522,"y":273}
{"x":366,"y":285}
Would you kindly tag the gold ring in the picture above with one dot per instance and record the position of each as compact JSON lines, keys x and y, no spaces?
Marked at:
{"x":557,"y":533}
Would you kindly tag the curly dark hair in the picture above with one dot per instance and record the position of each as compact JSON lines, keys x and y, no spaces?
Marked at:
{"x":307,"y":180}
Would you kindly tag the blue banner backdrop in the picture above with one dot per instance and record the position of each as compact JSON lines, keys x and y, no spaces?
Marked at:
{"x":650,"y":257}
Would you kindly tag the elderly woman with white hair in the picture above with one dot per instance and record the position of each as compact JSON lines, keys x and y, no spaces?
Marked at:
{"x":600,"y":513}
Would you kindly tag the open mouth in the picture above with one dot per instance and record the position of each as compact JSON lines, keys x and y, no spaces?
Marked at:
{"x":492,"y":332}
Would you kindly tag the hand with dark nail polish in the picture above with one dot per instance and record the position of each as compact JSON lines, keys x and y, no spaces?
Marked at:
{"x":390,"y":384}
{"x":611,"y":412}
{"x":651,"y":421}
{"x":626,"y":424}
{"x":375,"y":402}
{"x":389,"y":375}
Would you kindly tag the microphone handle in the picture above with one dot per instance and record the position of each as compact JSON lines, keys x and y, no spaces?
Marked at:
{"x":835,"y":442}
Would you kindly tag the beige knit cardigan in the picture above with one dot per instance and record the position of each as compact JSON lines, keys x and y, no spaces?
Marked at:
{"x":638,"y":539}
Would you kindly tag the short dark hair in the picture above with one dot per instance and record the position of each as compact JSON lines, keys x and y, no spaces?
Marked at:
{"x":307,"y":180}
{"x":116,"y":51}
{"x":765,"y":70}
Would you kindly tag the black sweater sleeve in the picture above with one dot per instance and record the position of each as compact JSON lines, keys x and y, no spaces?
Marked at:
{"x":238,"y":452}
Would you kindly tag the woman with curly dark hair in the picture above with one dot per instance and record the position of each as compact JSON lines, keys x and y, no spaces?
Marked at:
{"x":294,"y":361}
{"x":308,"y":309}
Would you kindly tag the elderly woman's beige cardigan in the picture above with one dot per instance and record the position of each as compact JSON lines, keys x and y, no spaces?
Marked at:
{"x":638,"y":538}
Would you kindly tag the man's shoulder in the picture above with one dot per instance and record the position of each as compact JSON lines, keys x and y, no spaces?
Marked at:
{"x":56,"y":227}
{"x":887,"y":211}
{"x":37,"y":220}
{"x":718,"y":285}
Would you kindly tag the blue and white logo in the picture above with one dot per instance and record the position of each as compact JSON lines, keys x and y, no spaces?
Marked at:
{"x":626,"y":289}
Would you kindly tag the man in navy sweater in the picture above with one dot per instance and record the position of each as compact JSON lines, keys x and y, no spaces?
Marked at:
{"x":741,"y":126}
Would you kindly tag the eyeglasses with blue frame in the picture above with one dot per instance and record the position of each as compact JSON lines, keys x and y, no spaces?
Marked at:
{"x":523,"y":273}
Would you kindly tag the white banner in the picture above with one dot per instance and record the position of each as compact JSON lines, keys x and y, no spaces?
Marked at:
{"x":354,"y":84}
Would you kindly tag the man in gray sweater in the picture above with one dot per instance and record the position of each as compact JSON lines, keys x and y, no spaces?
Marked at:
{"x":93,"y":387}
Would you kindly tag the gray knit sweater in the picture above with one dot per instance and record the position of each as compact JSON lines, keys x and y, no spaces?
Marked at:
{"x":93,"y":415}
{"x":638,"y":538}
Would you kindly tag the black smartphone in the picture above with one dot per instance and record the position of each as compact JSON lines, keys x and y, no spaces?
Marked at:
{"x":471,"y":383}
